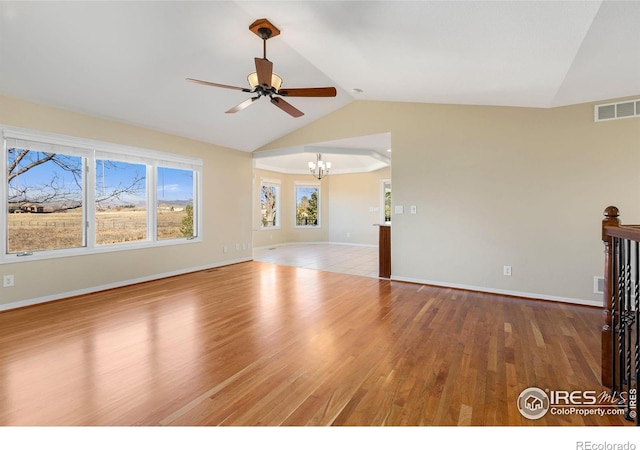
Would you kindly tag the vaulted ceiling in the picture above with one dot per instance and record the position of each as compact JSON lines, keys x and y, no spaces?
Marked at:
{"x":128,"y":61}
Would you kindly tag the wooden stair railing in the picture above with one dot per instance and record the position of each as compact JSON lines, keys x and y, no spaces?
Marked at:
{"x":621,"y":302}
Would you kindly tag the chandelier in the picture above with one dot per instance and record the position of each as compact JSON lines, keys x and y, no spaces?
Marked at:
{"x":319,"y":168}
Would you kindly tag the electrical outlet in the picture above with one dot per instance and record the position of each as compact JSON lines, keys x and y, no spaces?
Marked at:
{"x":224,"y":249}
{"x":7,"y":281}
{"x":506,"y":270}
{"x":414,"y":209}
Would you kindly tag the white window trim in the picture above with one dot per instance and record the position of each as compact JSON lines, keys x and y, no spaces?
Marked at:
{"x":277,"y":183}
{"x":196,"y":200}
{"x":92,"y":150}
{"x":299,"y":184}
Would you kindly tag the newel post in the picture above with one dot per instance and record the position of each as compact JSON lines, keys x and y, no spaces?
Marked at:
{"x":611,"y":219}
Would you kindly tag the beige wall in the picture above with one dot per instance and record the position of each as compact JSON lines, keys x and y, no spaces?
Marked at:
{"x":226,"y":220}
{"x":352,"y":198}
{"x":498,"y":186}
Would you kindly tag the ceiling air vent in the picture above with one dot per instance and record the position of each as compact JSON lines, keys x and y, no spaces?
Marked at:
{"x":621,"y":110}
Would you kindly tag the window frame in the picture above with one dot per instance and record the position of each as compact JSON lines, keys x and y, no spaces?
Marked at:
{"x":66,"y":150}
{"x":277,"y":184}
{"x":197,"y":214}
{"x":94,"y":230}
{"x":92,"y":150}
{"x":306,"y":184}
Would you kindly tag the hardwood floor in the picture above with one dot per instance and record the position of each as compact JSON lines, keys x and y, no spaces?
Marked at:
{"x":260,"y":344}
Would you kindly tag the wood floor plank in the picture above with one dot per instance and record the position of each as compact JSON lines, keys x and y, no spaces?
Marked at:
{"x":260,"y":344}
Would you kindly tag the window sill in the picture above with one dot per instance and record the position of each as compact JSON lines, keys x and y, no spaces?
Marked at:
{"x":65,"y":253}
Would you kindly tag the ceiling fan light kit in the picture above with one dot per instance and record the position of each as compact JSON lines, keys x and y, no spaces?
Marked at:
{"x":276,"y":80}
{"x":265,"y":83}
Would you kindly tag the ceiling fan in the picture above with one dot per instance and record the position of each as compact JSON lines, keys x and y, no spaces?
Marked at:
{"x":264,"y":83}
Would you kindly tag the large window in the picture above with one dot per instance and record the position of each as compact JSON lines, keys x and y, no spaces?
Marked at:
{"x":44,"y":197}
{"x":121,"y":202}
{"x":269,"y":204}
{"x":175,"y":203}
{"x":307,"y":205}
{"x":71,"y":196}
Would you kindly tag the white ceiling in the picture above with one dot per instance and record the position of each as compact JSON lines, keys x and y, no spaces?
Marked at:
{"x":354,"y":155}
{"x":128,"y":60}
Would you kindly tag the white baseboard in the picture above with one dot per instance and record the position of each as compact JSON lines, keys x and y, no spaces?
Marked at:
{"x":59,"y":296}
{"x":576,"y":301}
{"x":287,"y":244}
{"x":104,"y":287}
{"x":554,"y":298}
{"x":354,"y":244}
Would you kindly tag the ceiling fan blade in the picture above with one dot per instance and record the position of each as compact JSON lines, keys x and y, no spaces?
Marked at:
{"x":264,"y":69}
{"x":286,"y":107}
{"x":308,"y":92}
{"x":226,"y":86}
{"x":242,"y":105}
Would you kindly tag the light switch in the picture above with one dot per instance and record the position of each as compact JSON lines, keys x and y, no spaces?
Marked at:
{"x":399,"y":209}
{"x":414,"y":209}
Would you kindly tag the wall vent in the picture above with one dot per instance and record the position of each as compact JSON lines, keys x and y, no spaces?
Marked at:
{"x":620,"y":110}
{"x":598,"y":285}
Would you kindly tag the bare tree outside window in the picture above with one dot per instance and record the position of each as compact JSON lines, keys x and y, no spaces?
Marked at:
{"x":50,"y":179}
{"x":121,"y":202}
{"x":44,"y":193}
{"x":45,"y":200}
{"x":269,"y":199}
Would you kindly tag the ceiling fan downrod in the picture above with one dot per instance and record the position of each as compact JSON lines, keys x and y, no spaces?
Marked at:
{"x":264,"y":33}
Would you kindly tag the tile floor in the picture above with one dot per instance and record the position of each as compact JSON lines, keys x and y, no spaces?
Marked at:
{"x":350,"y":259}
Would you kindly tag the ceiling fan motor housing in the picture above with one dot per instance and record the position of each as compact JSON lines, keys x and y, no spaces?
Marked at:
{"x":264,"y":33}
